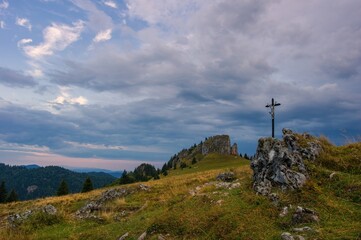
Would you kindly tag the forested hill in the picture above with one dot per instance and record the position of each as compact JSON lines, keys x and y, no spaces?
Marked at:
{"x":44,"y":181}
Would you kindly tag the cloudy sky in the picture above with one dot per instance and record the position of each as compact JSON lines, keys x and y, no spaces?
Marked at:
{"x":113,"y":83}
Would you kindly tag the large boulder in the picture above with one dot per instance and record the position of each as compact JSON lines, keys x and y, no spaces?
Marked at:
{"x":281,"y":162}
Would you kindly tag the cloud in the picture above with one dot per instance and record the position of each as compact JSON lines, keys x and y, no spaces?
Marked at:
{"x":65,"y":99}
{"x":24,"y":23}
{"x":103,"y":36}
{"x":97,"y":19}
{"x":4,"y":4}
{"x":57,"y":37}
{"x":110,"y":3}
{"x":12,"y":78}
{"x":24,"y":42}
{"x":2,"y":24}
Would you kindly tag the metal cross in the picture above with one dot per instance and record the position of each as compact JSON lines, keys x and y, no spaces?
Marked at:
{"x":272,"y":112}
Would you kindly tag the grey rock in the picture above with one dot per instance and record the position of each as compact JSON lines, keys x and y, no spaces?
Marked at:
{"x":124,"y":236}
{"x":31,"y":189}
{"x":217,"y":144}
{"x":49,"y":209}
{"x":234,"y":149}
{"x":88,"y":211}
{"x":287,"y":236}
{"x":304,"y":215}
{"x":284,"y":212}
{"x":161,"y":237}
{"x":16,"y":219}
{"x":226,"y":177}
{"x":302,"y":229}
{"x":144,"y":187}
{"x":143,"y":236}
{"x":281,"y":162}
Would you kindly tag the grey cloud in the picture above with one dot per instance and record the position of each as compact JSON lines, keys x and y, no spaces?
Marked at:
{"x":12,"y":78}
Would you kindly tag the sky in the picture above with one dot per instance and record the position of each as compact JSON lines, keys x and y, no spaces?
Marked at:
{"x":114,"y":83}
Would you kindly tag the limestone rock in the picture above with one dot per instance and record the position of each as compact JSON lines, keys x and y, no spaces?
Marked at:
{"x":124,"y":236}
{"x":31,"y":189}
{"x":234,"y":149}
{"x":88,"y":210}
{"x":304,"y":215}
{"x":49,"y":209}
{"x":287,"y":236}
{"x":143,"y":236}
{"x":16,"y":219}
{"x":280,"y":162}
{"x":217,"y":144}
{"x":226,"y":177}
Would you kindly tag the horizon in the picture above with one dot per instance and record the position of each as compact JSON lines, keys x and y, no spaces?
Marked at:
{"x":114,"y":83}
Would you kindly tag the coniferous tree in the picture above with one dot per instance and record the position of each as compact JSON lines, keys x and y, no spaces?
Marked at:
{"x":3,"y":192}
{"x":87,"y":186}
{"x":194,"y":160}
{"x":13,"y":196}
{"x":63,"y":188}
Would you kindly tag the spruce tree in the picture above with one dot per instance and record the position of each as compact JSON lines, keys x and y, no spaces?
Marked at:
{"x":87,"y":186}
{"x":13,"y":196}
{"x":63,"y":188}
{"x":3,"y":192}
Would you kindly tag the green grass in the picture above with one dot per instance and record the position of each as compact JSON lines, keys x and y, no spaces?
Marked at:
{"x":169,"y":209}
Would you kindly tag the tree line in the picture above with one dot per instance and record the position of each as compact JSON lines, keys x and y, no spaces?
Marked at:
{"x":63,"y":189}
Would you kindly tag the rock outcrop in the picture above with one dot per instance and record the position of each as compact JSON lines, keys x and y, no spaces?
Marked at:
{"x":217,"y":144}
{"x":234,"y":149}
{"x":17,"y":219}
{"x":281,"y":162}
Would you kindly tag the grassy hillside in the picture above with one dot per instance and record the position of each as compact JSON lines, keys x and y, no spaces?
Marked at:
{"x":187,"y":204}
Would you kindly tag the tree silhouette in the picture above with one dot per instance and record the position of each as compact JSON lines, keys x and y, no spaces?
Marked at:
{"x":13,"y":196}
{"x":3,"y":192}
{"x":87,"y":186}
{"x":63,"y":188}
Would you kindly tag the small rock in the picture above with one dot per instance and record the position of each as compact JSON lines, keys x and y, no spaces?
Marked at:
{"x":226,"y":177}
{"x":304,"y":215}
{"x":219,"y":202}
{"x":161,"y":237}
{"x":284,"y":212}
{"x":302,"y":229}
{"x":144,"y":187}
{"x":49,"y":209}
{"x":287,"y":236}
{"x":143,"y":236}
{"x":124,"y":236}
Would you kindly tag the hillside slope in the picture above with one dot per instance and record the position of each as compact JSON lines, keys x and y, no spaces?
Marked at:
{"x":191,"y":203}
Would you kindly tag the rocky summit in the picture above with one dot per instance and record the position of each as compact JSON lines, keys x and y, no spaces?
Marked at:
{"x":281,"y":162}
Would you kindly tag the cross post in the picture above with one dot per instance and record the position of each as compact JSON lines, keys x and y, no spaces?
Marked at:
{"x":272,"y":112}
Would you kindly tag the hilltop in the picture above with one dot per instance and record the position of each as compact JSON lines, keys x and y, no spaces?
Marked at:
{"x":214,"y":198}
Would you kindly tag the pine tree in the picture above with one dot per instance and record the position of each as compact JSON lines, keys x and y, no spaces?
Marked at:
{"x":63,"y":188}
{"x":13,"y":196}
{"x":3,"y":192}
{"x":87,"y":186}
{"x":194,"y":160}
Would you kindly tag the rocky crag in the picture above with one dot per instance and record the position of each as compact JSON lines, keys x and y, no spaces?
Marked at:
{"x":281,"y":162}
{"x":220,"y":144}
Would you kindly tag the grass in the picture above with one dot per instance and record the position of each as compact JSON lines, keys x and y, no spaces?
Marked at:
{"x":213,"y":213}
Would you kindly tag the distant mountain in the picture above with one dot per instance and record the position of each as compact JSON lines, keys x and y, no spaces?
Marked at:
{"x":31,"y":166}
{"x":35,"y":182}
{"x":116,"y":174}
